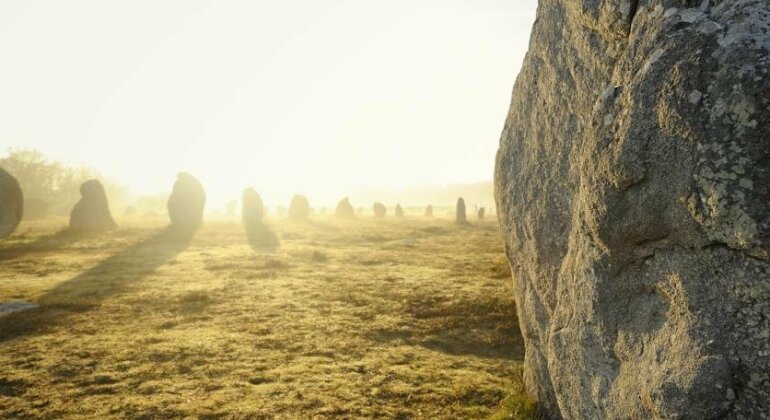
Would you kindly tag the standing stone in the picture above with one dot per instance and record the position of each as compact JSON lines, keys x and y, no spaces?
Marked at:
{"x":633,"y":195}
{"x":345,"y":209}
{"x":11,"y":203}
{"x":92,"y":212}
{"x":399,"y":211}
{"x":481,"y":213}
{"x":429,"y":211}
{"x":460,"y":216}
{"x":186,"y":203}
{"x":258,"y":233}
{"x":379,"y":210}
{"x":299,"y":208}
{"x":253,"y":211}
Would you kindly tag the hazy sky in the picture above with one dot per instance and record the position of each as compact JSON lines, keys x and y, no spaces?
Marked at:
{"x":315,"y":96}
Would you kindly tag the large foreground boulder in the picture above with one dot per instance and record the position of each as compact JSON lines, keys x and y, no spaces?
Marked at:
{"x":633,"y":194}
{"x":379,"y":210}
{"x":345,"y":209}
{"x":299,"y":208}
{"x":186,"y":203}
{"x":11,"y":203}
{"x":92,"y":212}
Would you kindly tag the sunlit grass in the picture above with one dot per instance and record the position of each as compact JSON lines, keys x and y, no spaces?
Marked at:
{"x":367,"y":318}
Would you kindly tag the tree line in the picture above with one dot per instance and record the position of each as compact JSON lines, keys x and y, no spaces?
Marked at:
{"x":51,"y":188}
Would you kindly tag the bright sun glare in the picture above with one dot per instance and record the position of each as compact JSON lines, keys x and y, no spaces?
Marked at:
{"x":318,"y":97}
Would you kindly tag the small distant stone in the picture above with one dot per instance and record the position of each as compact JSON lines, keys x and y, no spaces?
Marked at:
{"x":92,"y":212}
{"x":460,"y":216}
{"x":253,"y":210}
{"x":186,"y":203}
{"x":429,"y":211}
{"x":299,"y":208}
{"x":399,"y":211}
{"x":379,"y":210}
{"x":345,"y":209}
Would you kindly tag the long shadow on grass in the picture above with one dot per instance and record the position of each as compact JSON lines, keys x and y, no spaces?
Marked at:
{"x":484,"y":326}
{"x":323,"y":226}
{"x":41,"y":245}
{"x":262,"y":238}
{"x":89,"y":289}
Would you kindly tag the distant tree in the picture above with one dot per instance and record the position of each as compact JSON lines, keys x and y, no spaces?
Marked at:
{"x":51,"y":188}
{"x":35,"y":173}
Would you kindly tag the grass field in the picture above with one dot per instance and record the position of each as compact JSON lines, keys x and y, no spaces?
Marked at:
{"x":408,"y":318}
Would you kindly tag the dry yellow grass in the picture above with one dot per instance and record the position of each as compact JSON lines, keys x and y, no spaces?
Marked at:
{"x":363,"y":319}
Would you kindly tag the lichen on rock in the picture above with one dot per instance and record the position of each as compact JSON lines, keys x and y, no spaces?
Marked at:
{"x":632,"y":189}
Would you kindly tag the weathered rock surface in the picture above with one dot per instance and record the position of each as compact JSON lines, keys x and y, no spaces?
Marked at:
{"x":299,"y":208}
{"x":345,"y":209}
{"x":186,"y":203}
{"x":460,"y":216}
{"x":92,"y":212}
{"x":379,"y":210}
{"x":11,"y":204}
{"x":399,"y":212}
{"x":632,"y":189}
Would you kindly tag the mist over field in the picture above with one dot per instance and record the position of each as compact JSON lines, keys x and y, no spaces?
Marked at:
{"x":355,"y":209}
{"x":252,"y":209}
{"x":313,"y":97}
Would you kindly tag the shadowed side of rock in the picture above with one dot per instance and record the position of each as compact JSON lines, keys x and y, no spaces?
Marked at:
{"x":631,"y":187}
{"x":11,"y":204}
{"x":92,"y":212}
